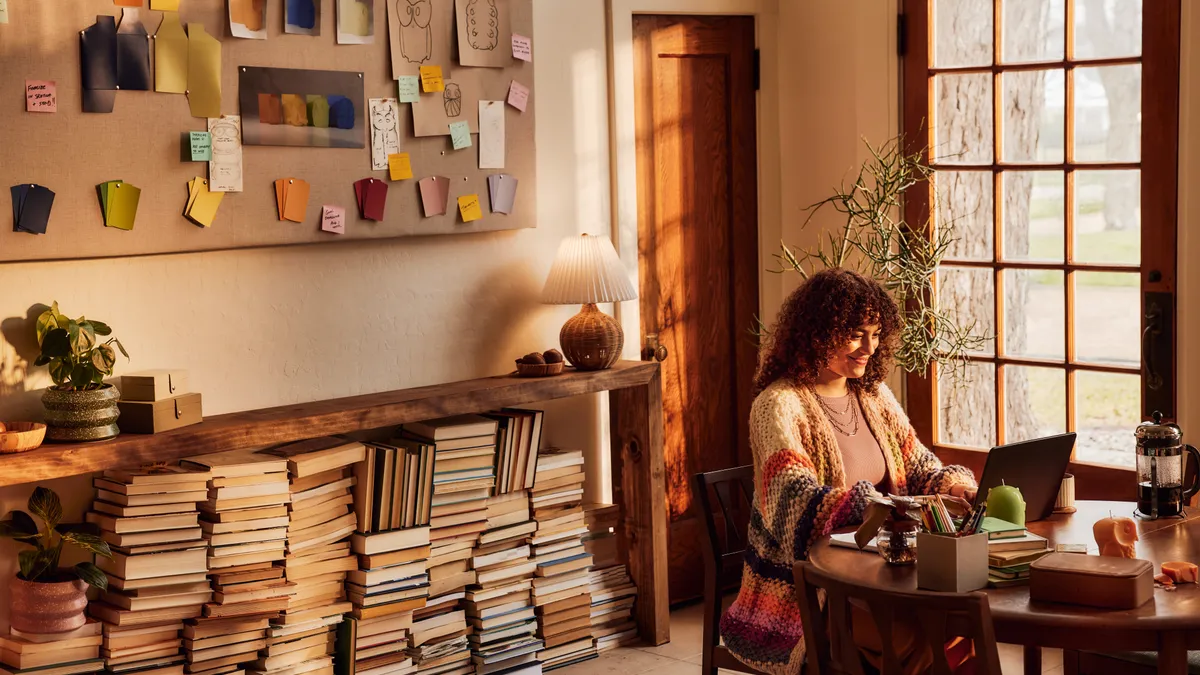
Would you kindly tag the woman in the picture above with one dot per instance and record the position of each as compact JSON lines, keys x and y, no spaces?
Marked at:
{"x":825,"y":434}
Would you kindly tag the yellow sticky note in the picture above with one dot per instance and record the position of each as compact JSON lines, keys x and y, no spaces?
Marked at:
{"x":165,"y":5}
{"x":170,"y":56}
{"x":468,"y":206}
{"x":400,"y":166}
{"x":203,"y":207}
{"x":431,"y":79}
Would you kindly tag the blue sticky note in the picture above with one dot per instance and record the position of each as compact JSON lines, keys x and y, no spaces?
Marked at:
{"x":460,"y":135}
{"x":409,"y":87}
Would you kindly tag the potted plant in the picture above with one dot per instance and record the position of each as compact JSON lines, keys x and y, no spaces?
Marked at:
{"x":46,"y":598}
{"x":80,"y":406}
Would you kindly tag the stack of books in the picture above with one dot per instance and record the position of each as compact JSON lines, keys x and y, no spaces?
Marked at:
{"x":157,"y":575}
{"x":245,"y":521}
{"x":1011,"y":549}
{"x":70,"y":653}
{"x":612,"y":591}
{"x":377,"y":646}
{"x":561,"y":591}
{"x":518,"y":437}
{"x":321,"y":519}
{"x":391,"y":576}
{"x":437,"y":643}
{"x":499,"y":606}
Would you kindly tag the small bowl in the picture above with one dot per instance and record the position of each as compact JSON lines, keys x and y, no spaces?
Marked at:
{"x":539,"y":369}
{"x":21,"y":436}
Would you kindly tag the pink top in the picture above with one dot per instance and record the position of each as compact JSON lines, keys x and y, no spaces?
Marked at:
{"x":862,"y":458}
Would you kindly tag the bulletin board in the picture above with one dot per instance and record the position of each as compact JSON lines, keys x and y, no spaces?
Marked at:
{"x":142,"y":141}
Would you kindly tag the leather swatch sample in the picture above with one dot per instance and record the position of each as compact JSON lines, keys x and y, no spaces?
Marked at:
{"x":98,"y":64}
{"x":133,"y":53}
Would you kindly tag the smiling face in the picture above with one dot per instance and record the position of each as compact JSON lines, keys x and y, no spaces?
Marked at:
{"x":851,"y":359}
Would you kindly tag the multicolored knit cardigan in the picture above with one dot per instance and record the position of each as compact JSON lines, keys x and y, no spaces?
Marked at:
{"x":801,"y":495}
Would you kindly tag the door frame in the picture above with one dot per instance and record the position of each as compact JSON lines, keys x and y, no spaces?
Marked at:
{"x":623,"y":140}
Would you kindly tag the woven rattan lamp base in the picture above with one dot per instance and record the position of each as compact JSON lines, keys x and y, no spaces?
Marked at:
{"x":591,"y":340}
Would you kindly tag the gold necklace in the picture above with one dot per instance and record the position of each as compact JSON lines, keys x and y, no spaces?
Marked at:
{"x":830,"y":414}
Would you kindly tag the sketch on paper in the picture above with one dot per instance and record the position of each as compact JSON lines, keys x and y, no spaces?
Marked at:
{"x":483,"y":24}
{"x":416,"y":35}
{"x":459,"y":102}
{"x":225,"y":167}
{"x":452,"y":99}
{"x":484,"y":32}
{"x":385,"y":131}
{"x":421,"y":33}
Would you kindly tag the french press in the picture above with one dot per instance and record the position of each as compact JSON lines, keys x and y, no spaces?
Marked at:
{"x":1160,"y":469}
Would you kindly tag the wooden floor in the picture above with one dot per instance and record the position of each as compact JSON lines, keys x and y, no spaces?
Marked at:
{"x":681,"y":656}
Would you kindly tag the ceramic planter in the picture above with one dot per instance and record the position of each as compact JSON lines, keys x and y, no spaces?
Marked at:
{"x":81,"y":415}
{"x":46,"y":607}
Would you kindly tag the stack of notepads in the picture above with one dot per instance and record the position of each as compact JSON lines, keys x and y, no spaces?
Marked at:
{"x":612,"y":591}
{"x":1011,"y":549}
{"x":518,"y":437}
{"x":245,"y":521}
{"x":157,"y":574}
{"x":561,"y":591}
{"x":499,"y":606}
{"x":70,"y":653}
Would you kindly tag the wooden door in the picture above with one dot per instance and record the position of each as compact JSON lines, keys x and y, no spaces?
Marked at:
{"x":698,"y":250}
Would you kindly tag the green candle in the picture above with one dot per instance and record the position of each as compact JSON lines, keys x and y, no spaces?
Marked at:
{"x":1005,"y":502}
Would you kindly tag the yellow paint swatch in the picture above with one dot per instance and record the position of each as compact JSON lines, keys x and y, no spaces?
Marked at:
{"x":170,"y":56}
{"x":431,"y":79}
{"x":295,"y":110}
{"x":204,"y":72}
{"x":122,"y":206}
{"x":165,"y":5}
{"x":468,"y":206}
{"x":202,"y":204}
{"x":400,"y":166}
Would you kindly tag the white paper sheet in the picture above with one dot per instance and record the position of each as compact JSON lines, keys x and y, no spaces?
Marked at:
{"x":491,"y":134}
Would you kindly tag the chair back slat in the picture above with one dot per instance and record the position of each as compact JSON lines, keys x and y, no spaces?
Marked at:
{"x":885,"y":621}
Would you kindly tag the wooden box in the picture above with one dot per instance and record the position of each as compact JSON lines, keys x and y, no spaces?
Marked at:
{"x":153,"y":385}
{"x":152,"y":417}
{"x":952,"y":564}
{"x":1091,"y":580}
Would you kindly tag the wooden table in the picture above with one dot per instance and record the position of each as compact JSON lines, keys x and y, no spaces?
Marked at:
{"x":1169,"y":624}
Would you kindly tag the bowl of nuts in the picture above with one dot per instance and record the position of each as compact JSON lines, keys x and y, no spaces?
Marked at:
{"x":544,"y":364}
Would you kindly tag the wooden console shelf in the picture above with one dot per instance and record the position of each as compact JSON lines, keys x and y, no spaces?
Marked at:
{"x":639,"y":470}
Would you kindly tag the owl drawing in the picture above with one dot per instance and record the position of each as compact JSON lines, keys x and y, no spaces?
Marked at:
{"x":483,"y":25}
{"x":452,"y":98}
{"x":383,"y":118}
{"x":416,"y":37}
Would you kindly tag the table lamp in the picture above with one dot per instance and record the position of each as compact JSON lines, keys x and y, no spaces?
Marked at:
{"x":587,"y":271}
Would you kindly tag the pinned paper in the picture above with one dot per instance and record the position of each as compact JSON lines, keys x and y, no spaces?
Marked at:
{"x":483,"y":33}
{"x":371,"y":195}
{"x":31,"y":208}
{"x":302,"y":17}
{"x":202,"y":204}
{"x":518,"y":95}
{"x":119,"y":203}
{"x":201,"y":142}
{"x":435,"y":193}
{"x":384,"y":114}
{"x":355,"y":22}
{"x":502,"y":191}
{"x":225,"y":168}
{"x":98,"y":59}
{"x":333,"y":219}
{"x":409,"y":88}
{"x":400,"y":166}
{"x":133,"y":53}
{"x":3,"y":11}
{"x":165,"y":5}
{"x":248,"y":19}
{"x":41,"y":96}
{"x":431,"y":79}
{"x":468,"y":208}
{"x":522,"y":47}
{"x":460,"y":135}
{"x":291,"y":196}
{"x":170,"y":56}
{"x":491,"y":134}
{"x":421,"y":32}
{"x":204,"y":72}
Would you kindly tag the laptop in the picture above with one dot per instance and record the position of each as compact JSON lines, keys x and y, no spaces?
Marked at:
{"x":1034,"y":467}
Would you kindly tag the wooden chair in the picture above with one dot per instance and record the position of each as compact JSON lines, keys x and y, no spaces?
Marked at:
{"x":734,"y":491}
{"x":831,"y":651}
{"x":1133,"y":663}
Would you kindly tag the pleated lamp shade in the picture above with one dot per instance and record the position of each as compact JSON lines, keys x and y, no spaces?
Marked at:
{"x":587,"y":270}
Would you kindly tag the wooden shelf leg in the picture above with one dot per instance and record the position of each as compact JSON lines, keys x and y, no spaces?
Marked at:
{"x":639,"y":480}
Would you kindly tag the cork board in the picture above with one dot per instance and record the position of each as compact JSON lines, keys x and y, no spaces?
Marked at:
{"x":71,"y":152}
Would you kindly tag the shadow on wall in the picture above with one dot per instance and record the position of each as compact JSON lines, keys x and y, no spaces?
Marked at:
{"x":17,"y":354}
{"x":508,"y":327}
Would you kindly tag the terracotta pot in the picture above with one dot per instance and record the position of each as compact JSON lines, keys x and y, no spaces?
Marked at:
{"x":47,"y":607}
{"x":81,"y":415}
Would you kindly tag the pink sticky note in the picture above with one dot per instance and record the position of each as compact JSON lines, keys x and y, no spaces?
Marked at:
{"x":435,"y":192}
{"x":522,"y":47}
{"x":333,"y":219}
{"x":41,"y":96}
{"x":518,"y":95}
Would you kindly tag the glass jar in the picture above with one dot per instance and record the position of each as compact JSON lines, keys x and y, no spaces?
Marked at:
{"x":897,"y":541}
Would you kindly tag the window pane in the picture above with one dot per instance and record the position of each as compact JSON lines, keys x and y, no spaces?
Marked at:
{"x":1035,"y":402}
{"x":1106,"y":409}
{"x":967,"y":296}
{"x":962,"y":33}
{"x":1107,"y":324}
{"x":1034,"y":215}
{"x":1114,"y":30}
{"x":1108,"y":216}
{"x":1108,"y":114}
{"x":1034,"y":30}
{"x":1035,"y":313}
{"x":963,"y":132}
{"x":965,"y":203}
{"x":967,"y":404}
{"x":1034,"y":127}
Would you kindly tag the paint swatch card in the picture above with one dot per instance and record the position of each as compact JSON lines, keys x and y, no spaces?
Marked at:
{"x":502,"y":191}
{"x":98,"y":60}
{"x":202,"y":204}
{"x":460,"y":135}
{"x":225,"y":168}
{"x":400,"y":166}
{"x":491,"y":134}
{"x":248,"y":19}
{"x":355,"y":21}
{"x":468,"y":208}
{"x":201,"y":146}
{"x":204,"y":72}
{"x":371,"y":195}
{"x":431,"y":79}
{"x":170,"y":56}
{"x":31,"y":208}
{"x":518,"y":95}
{"x":333,"y":219}
{"x":409,"y":88}
{"x":302,"y":17}
{"x":118,"y":203}
{"x":291,"y":195}
{"x":385,"y":131}
{"x":522,"y":47}
{"x":41,"y":96}
{"x":165,"y":5}
{"x":435,"y":193}
{"x":133,"y":53}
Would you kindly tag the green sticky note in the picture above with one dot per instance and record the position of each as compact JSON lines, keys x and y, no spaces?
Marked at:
{"x":201,"y":146}
{"x":460,"y":135}
{"x":409,"y":87}
{"x":122,"y":205}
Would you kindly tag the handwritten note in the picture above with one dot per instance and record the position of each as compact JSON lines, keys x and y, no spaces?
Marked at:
{"x":333,"y":219}
{"x":409,"y":88}
{"x":41,"y":96}
{"x":460,"y":135}
{"x":3,"y":11}
{"x":431,"y":79}
{"x":491,"y":134}
{"x":468,"y":207}
{"x":400,"y":166}
{"x":201,"y":142}
{"x":518,"y":95}
{"x":522,"y":47}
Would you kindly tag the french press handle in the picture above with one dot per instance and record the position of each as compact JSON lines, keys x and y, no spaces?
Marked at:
{"x":1195,"y":487}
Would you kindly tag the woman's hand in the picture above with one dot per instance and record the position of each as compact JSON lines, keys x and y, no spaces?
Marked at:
{"x":966,"y":492}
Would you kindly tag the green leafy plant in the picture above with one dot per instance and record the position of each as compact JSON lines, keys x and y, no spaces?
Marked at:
{"x":41,"y":563}
{"x":70,"y":347}
{"x":877,"y":241}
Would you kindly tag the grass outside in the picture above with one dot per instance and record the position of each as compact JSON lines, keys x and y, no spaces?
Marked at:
{"x":1099,"y":247}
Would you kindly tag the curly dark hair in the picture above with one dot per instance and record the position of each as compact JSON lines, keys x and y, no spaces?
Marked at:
{"x":818,"y":318}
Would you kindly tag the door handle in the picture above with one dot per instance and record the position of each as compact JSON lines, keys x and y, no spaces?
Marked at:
{"x":653,"y":350}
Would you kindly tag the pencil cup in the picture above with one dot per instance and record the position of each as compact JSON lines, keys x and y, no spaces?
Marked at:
{"x":952,"y":564}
